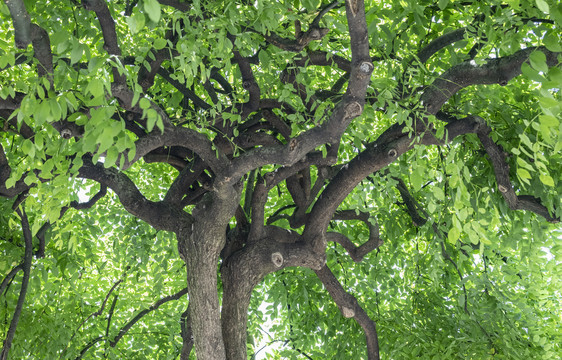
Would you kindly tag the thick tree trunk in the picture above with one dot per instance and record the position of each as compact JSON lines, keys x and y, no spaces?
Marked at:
{"x":204,"y":304}
{"x":236,"y":300}
{"x":243,"y":270}
{"x":200,"y":243}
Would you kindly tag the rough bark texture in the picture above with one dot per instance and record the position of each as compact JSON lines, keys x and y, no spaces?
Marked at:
{"x":217,"y":160}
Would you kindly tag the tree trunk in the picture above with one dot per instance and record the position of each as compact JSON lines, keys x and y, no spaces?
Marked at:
{"x":204,"y":305}
{"x":200,"y":243}
{"x":237,"y":291}
{"x":243,"y":270}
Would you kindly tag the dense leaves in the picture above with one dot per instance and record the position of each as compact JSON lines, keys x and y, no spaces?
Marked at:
{"x":270,"y":179}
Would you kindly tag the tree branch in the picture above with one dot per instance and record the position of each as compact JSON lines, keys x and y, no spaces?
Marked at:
{"x":139,"y":316}
{"x":9,"y":276}
{"x":349,"y":307}
{"x":92,"y":315}
{"x":160,"y":215}
{"x":178,"y":136}
{"x":494,"y":71}
{"x":377,"y":155}
{"x":109,"y":34}
{"x":42,"y":52}
{"x":330,"y":131}
{"x":182,"y":89}
{"x":181,"y":6}
{"x":248,"y":83}
{"x":28,"y":257}
{"x":22,"y":22}
{"x":501,"y":170}
{"x":356,"y":252}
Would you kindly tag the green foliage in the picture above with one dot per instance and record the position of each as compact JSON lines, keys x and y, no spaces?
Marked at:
{"x":476,"y":280}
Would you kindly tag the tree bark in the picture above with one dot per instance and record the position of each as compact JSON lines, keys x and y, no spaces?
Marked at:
{"x":245,"y":269}
{"x":200,"y":243}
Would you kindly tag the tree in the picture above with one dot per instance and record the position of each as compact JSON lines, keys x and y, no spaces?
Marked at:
{"x":343,"y":164}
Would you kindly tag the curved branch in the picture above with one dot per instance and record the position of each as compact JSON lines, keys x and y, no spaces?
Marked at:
{"x":108,"y":31}
{"x":88,"y":346}
{"x":22,"y":22}
{"x":184,"y":180}
{"x":42,"y":51}
{"x":139,"y":316}
{"x":356,"y":252}
{"x":412,"y":205}
{"x":9,"y":276}
{"x":40,"y":253}
{"x":27,"y":259}
{"x":92,"y":315}
{"x":178,"y":136}
{"x":158,"y":214}
{"x":378,"y":154}
{"x":350,"y":307}
{"x":324,"y":11}
{"x":5,"y":171}
{"x":182,"y":89}
{"x":501,"y":171}
{"x":440,"y":43}
{"x":494,"y":71}
{"x":248,"y":83}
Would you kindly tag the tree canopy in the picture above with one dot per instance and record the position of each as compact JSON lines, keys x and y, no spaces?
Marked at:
{"x":292,"y":179}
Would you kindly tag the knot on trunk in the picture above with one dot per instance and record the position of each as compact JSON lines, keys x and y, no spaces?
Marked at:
{"x":293,"y":144}
{"x":352,"y":110}
{"x":277,"y":259}
{"x":366,"y":67}
{"x":347,"y":312}
{"x":66,"y":133}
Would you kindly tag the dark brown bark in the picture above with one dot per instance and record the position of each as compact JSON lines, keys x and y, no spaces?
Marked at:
{"x":22,"y":22}
{"x":143,"y":312}
{"x":242,"y":271}
{"x":200,"y":245}
{"x":27,"y":259}
{"x":495,"y":71}
{"x":350,"y":308}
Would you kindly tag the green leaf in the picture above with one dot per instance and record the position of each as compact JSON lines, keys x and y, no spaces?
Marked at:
{"x":549,"y":106}
{"x":136,"y":22}
{"x":538,"y":61}
{"x":28,"y":148}
{"x":548,"y":120}
{"x":159,"y":43}
{"x":311,"y":5}
{"x":111,"y":157}
{"x":132,"y":152}
{"x":438,"y":193}
{"x":95,"y":87}
{"x":443,"y":4}
{"x":152,"y":8}
{"x":524,"y":174}
{"x":553,"y":42}
{"x":151,"y":118}
{"x":543,"y":6}
{"x":453,"y":235}
{"x":76,"y":53}
{"x":531,"y":73}
{"x":547,"y":180}
{"x":144,"y":103}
